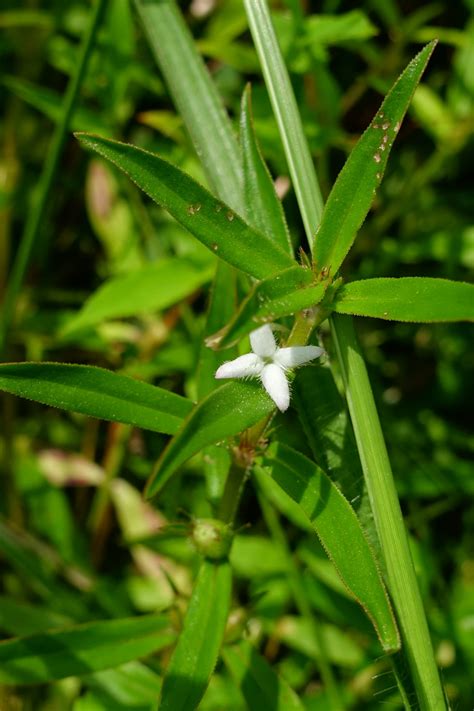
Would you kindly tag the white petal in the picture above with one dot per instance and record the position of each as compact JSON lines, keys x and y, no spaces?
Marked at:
{"x":263,"y":342}
{"x":248,"y":365}
{"x":275,"y":383}
{"x":297,"y":355}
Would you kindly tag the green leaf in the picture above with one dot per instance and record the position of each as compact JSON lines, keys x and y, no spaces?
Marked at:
{"x":407,"y":299}
{"x":153,"y":287}
{"x":96,"y":392}
{"x":209,"y":220}
{"x":340,"y":533}
{"x":329,"y":432}
{"x":262,"y":206}
{"x":338,"y":29}
{"x":227,"y":411}
{"x":353,"y":192}
{"x":195,"y":656}
{"x":82,"y":649}
{"x":286,"y":293}
{"x":261,"y":687}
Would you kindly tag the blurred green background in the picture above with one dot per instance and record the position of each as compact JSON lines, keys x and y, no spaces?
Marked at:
{"x":61,"y":560}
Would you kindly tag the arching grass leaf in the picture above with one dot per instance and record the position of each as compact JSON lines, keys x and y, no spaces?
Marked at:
{"x":407,"y":299}
{"x":96,"y":392}
{"x":212,"y":222}
{"x":339,"y":531}
{"x":353,"y":192}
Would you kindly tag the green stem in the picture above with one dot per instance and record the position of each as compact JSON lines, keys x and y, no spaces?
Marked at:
{"x":401,"y":577}
{"x":301,"y":602}
{"x":35,"y":216}
{"x":233,"y":489}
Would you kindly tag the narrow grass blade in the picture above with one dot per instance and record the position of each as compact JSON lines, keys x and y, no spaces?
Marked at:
{"x":209,"y":220}
{"x":262,"y":206}
{"x":261,"y":687}
{"x":96,"y":392}
{"x":282,"y":295}
{"x":407,"y":299}
{"x":227,"y":411}
{"x":353,"y":192}
{"x":401,"y":576}
{"x":151,"y":288}
{"x":340,"y":532}
{"x":36,"y":214}
{"x":81,"y":650}
{"x":287,"y":115}
{"x":195,"y":97}
{"x":195,"y":656}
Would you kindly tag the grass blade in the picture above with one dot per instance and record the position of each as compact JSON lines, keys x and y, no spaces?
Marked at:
{"x":287,"y":115}
{"x":195,"y":97}
{"x":401,"y":576}
{"x":96,"y":392}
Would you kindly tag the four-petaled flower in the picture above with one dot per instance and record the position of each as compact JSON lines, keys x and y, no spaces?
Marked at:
{"x":269,"y":363}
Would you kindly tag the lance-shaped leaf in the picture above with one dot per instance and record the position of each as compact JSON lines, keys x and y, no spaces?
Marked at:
{"x":339,"y":531}
{"x":227,"y":411}
{"x":96,"y":392}
{"x":330,"y":435}
{"x":353,"y":192}
{"x":211,"y":221}
{"x":83,"y":649}
{"x":262,"y":206}
{"x":286,"y":293}
{"x":261,"y":687}
{"x":196,"y":653}
{"x":153,"y":287}
{"x":407,"y":299}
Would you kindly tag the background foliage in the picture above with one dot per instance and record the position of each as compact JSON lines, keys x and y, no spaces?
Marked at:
{"x":77,"y":542}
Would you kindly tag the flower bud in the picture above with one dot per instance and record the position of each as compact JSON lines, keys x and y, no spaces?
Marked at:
{"x":212,"y":538}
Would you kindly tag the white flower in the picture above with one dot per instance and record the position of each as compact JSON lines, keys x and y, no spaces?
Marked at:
{"x":269,"y":363}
